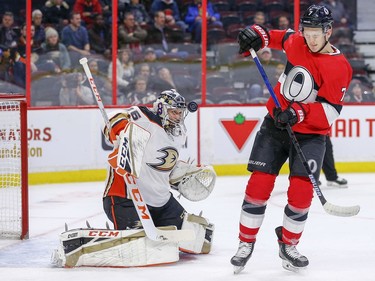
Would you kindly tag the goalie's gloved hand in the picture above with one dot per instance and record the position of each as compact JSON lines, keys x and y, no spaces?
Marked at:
{"x":254,"y":37}
{"x":294,"y":114}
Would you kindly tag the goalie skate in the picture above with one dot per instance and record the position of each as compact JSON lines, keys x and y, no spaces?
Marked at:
{"x":243,"y":254}
{"x":292,"y":260}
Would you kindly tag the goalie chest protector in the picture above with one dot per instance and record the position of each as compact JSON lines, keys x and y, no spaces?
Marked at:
{"x":160,"y":157}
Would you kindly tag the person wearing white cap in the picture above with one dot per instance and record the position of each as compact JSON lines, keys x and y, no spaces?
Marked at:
{"x":54,"y":50}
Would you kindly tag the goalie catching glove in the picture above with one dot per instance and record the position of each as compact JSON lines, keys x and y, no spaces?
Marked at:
{"x":194,"y":182}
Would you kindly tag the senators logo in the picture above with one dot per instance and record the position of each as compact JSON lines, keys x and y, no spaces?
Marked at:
{"x":167,"y":160}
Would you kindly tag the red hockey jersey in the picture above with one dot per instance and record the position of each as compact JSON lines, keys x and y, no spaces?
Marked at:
{"x":318,"y":81}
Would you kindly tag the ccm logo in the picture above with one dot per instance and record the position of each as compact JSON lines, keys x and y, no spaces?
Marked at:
{"x":103,"y":233}
{"x":94,"y":89}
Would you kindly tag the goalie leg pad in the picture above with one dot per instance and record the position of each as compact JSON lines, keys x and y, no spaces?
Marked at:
{"x":204,"y":231}
{"x":112,"y":248}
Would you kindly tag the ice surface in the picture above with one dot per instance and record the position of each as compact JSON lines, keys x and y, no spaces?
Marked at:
{"x":338,"y":248}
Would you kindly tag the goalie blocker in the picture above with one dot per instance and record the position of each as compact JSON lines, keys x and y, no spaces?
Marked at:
{"x":129,"y":248}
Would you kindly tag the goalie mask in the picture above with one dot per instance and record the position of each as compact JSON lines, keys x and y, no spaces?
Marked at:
{"x":171,"y":107}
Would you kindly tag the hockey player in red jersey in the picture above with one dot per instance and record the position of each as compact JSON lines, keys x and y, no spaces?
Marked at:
{"x":311,"y":92}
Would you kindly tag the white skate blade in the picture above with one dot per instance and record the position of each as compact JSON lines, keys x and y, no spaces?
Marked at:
{"x":237,"y":269}
{"x":288,"y":266}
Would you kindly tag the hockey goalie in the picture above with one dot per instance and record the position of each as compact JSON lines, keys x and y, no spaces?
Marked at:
{"x":150,"y":226}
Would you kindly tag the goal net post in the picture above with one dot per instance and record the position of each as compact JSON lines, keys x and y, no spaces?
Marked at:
{"x":14,"y":214}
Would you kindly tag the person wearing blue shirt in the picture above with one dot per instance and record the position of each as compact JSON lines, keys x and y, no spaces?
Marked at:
{"x":193,"y":18}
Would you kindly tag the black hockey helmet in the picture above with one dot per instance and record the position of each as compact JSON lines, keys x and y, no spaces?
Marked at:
{"x":317,"y":16}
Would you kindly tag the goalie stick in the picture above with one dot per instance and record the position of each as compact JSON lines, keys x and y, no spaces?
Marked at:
{"x":142,"y":210}
{"x":341,"y":211}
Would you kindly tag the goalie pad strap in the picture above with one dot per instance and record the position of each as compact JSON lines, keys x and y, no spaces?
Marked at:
{"x":203,"y":234}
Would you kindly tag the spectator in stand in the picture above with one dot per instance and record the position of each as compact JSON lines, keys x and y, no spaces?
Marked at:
{"x":152,"y":61}
{"x":150,"y":55}
{"x":139,"y":11}
{"x":165,"y":80}
{"x":5,"y":66}
{"x":8,"y":37}
{"x":53,"y":50}
{"x":131,"y":35}
{"x":106,"y":92}
{"x":158,"y":37}
{"x":75,"y":37}
{"x":99,"y":78}
{"x":145,"y":70}
{"x":56,"y":13}
{"x":171,"y":11}
{"x":358,"y":92}
{"x":140,"y":94}
{"x":260,"y":18}
{"x":272,"y":67}
{"x":107,"y":10}
{"x":21,"y":42}
{"x":88,"y":9}
{"x":339,"y":12}
{"x":37,"y":18}
{"x":19,"y":63}
{"x":73,"y":92}
{"x":193,"y":19}
{"x":100,"y":36}
{"x":283,"y":22}
{"x":124,"y":69}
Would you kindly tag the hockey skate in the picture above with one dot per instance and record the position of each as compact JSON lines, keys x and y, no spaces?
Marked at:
{"x":339,"y":182}
{"x":292,"y":259}
{"x":243,"y":254}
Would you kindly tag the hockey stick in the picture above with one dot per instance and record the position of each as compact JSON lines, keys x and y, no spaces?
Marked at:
{"x":342,"y":211}
{"x":142,"y":210}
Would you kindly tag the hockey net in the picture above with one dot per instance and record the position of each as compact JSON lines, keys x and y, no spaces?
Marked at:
{"x":14,"y":222}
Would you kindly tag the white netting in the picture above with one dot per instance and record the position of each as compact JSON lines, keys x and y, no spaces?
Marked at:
{"x":10,"y":170}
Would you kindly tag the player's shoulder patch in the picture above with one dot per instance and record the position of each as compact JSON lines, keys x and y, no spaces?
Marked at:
{"x":150,"y":115}
{"x":117,"y":117}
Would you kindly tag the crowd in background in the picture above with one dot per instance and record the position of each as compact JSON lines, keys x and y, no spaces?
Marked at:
{"x":158,"y":48}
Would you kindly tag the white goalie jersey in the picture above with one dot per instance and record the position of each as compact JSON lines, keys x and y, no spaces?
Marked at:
{"x":159,"y":158}
{"x":160,"y":163}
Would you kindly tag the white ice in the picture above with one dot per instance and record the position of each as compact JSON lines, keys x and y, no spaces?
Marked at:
{"x":338,"y":248}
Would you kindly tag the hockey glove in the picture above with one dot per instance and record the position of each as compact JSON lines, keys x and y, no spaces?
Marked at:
{"x":292,"y":115}
{"x":254,"y":37}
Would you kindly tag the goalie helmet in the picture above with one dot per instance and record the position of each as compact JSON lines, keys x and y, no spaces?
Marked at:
{"x":317,"y":16}
{"x":173,"y":124}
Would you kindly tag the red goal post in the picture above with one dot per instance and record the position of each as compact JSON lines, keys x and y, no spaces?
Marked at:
{"x":14,"y":209}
